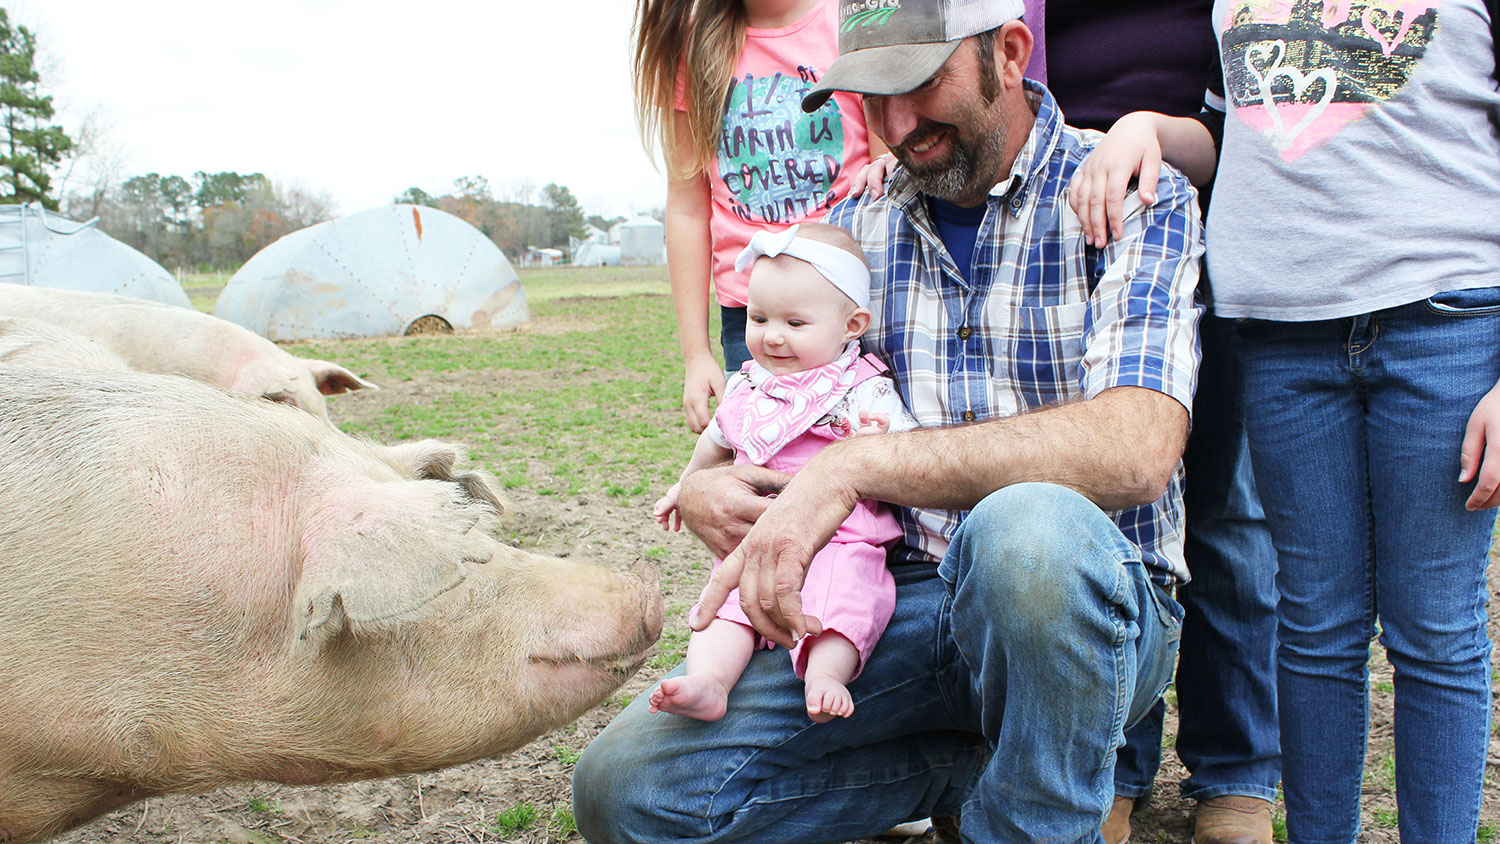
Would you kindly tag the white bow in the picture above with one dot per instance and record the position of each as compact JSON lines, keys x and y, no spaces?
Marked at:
{"x":844,"y":271}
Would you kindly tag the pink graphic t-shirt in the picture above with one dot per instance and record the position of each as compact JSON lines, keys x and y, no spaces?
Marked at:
{"x":776,"y":165}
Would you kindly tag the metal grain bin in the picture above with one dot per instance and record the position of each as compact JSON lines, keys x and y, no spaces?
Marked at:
{"x":382,"y":272}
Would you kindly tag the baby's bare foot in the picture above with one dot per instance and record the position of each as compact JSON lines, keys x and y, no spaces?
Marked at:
{"x":693,"y":695}
{"x":827,"y":699}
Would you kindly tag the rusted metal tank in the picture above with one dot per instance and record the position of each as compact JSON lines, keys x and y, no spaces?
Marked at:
{"x":44,"y":249}
{"x":386,"y":271}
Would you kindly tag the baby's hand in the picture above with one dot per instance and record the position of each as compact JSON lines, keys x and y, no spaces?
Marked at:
{"x":665,"y":510}
{"x":872,"y":423}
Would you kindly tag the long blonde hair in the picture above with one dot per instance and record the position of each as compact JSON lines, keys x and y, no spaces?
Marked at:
{"x":698,"y":41}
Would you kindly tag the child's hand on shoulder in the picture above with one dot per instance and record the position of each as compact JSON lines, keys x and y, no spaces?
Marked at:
{"x":665,"y":510}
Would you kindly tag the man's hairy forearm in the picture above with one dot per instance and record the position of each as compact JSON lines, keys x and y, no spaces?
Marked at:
{"x":1118,"y":449}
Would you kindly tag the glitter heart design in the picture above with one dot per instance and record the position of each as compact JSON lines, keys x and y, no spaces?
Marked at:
{"x":1298,"y":71}
{"x":1300,"y":82}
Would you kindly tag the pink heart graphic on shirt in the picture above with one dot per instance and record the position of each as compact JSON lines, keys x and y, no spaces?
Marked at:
{"x":1406,"y":12}
{"x":1298,"y":71}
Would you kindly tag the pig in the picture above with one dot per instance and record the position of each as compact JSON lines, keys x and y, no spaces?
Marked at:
{"x":199,"y":588}
{"x":44,"y":344}
{"x":154,"y":337}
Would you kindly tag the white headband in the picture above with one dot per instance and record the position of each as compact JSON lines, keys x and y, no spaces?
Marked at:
{"x":844,"y":271}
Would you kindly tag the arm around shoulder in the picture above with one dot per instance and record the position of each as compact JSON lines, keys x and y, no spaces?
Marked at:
{"x":1135,"y":148}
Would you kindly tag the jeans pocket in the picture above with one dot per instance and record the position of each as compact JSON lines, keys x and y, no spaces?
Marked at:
{"x":1475,"y":301}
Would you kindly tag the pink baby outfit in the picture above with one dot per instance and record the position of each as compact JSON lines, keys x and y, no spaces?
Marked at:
{"x":780,"y":422}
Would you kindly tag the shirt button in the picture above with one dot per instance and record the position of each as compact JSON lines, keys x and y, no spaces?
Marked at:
{"x":968,"y":416}
{"x":963,"y":333}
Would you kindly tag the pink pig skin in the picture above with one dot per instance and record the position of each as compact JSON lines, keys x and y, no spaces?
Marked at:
{"x":200,"y":588}
{"x":153,"y":337}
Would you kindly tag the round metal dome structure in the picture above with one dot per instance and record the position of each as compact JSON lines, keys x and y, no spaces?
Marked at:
{"x":48,"y":250}
{"x":382,"y":272}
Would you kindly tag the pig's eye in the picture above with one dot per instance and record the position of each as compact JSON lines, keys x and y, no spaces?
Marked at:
{"x":280,"y":398}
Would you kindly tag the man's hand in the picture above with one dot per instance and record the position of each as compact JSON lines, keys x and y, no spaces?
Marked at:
{"x":719,"y":505}
{"x":1480,"y":456}
{"x":770,"y":564}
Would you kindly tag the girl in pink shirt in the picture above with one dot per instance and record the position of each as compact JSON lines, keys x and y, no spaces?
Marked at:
{"x":719,"y":85}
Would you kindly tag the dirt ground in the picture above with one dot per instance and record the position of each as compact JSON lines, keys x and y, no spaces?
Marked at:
{"x":491,"y":801}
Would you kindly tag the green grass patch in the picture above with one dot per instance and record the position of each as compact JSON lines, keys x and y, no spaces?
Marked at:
{"x":560,"y":826}
{"x":515,"y":819}
{"x":670,"y":648}
{"x":1386,"y":818}
{"x":264,"y":805}
{"x":592,"y":409}
{"x":564,"y":754}
{"x":546,"y":284}
{"x":1486,"y":833}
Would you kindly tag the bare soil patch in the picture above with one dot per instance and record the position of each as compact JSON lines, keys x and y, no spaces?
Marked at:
{"x":470,"y":803}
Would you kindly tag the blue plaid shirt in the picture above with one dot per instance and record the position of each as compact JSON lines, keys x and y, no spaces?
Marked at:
{"x":1043,"y":319}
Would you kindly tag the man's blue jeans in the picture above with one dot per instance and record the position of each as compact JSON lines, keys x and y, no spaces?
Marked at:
{"x":1227,"y":735}
{"x":1355,"y":429}
{"x":1000,"y":690}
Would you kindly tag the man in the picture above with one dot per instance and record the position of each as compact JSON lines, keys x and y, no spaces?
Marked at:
{"x":1102,"y":60}
{"x":1041,"y":507}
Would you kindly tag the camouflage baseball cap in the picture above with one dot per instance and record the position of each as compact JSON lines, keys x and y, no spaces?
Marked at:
{"x":893,"y":46}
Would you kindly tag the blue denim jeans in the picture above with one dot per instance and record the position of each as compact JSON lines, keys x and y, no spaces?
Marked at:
{"x":1227,"y":735}
{"x":732,"y":338}
{"x":1355,"y":428}
{"x":1000,"y":690}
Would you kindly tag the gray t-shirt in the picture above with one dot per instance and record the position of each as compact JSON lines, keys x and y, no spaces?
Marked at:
{"x":1361,"y":159}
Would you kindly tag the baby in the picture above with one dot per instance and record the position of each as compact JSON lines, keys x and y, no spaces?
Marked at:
{"x":805,"y":386}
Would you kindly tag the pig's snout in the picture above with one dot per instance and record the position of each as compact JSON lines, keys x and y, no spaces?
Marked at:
{"x":637,"y":612}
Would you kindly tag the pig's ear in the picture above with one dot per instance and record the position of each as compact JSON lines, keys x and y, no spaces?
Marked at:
{"x":374,"y":578}
{"x":438,"y":461}
{"x":333,"y":379}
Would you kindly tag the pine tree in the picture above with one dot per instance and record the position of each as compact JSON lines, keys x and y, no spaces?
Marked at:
{"x":28,"y":147}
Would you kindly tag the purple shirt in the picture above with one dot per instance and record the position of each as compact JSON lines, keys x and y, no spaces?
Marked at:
{"x":1103,"y":58}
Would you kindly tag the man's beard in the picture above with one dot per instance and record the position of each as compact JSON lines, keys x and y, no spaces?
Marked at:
{"x":954,"y":175}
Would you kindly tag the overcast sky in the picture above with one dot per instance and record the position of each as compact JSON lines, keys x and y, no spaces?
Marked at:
{"x":358,"y":99}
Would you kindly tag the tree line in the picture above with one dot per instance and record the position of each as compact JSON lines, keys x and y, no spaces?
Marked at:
{"x":216,"y":220}
{"x":515,"y":222}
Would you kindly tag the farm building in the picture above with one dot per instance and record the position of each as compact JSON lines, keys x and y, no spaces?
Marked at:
{"x":48,"y":250}
{"x":382,"y":272}
{"x":596,"y":255}
{"x":642,"y":240}
{"x":541,"y":257}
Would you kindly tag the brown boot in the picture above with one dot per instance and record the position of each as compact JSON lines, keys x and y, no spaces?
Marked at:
{"x":1116,"y":828}
{"x":1233,"y":819}
{"x":945,"y":830}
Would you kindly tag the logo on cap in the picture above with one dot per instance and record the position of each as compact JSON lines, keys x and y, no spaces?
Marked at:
{"x":867,"y":13}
